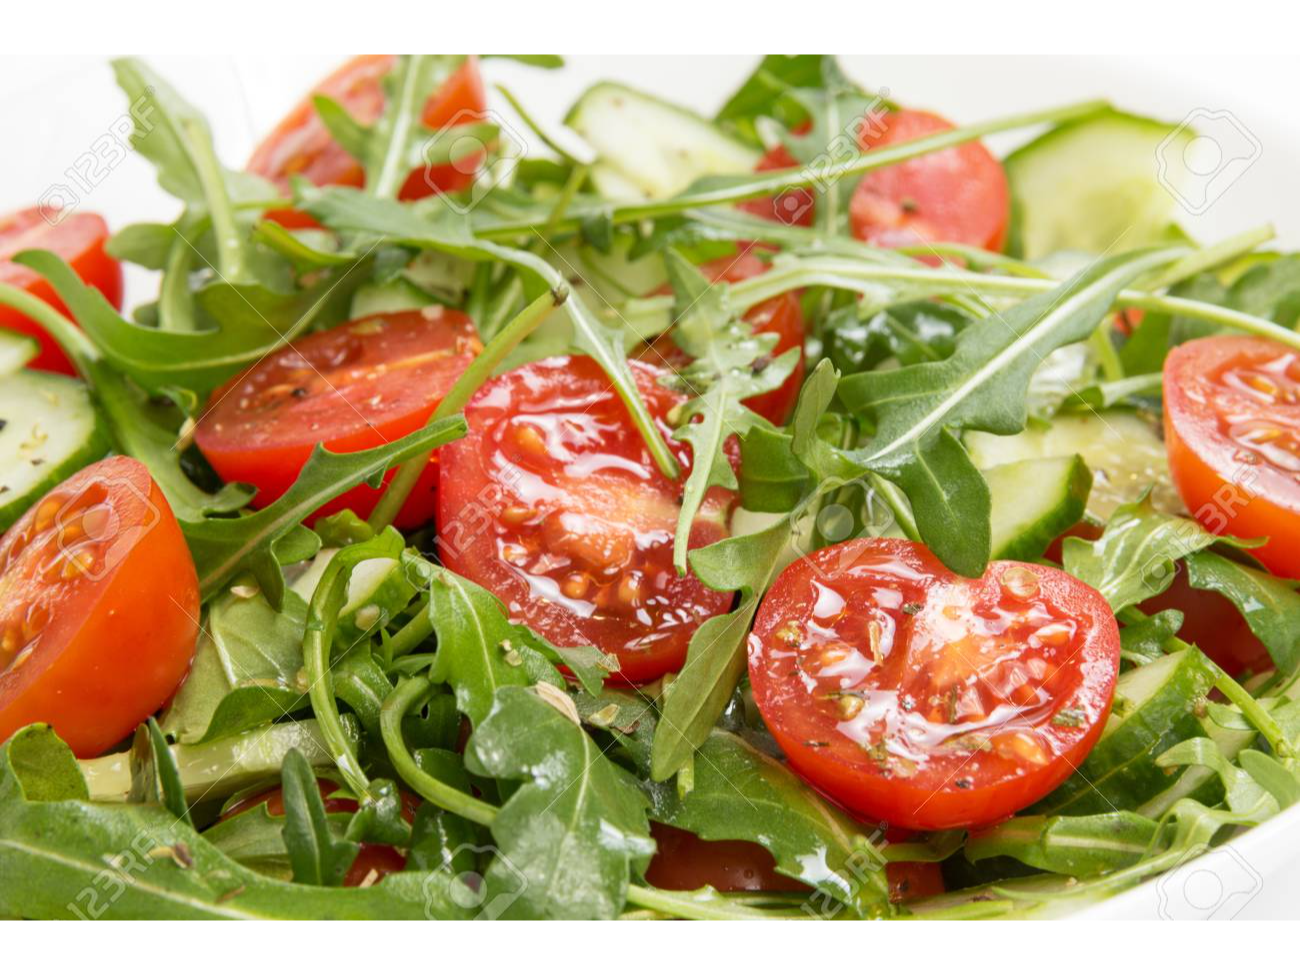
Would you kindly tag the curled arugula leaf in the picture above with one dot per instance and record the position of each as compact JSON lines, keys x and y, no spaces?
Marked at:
{"x":316,"y":854}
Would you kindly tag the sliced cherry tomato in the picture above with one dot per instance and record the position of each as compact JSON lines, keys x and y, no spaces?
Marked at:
{"x":78,"y":238}
{"x":554,"y":504}
{"x":374,"y":861}
{"x":794,"y":208}
{"x":352,"y":387}
{"x":958,"y":195}
{"x":924,"y":699}
{"x":780,"y":315}
{"x":683,"y":861}
{"x":1232,"y":431}
{"x":301,"y":145}
{"x":99,"y":607}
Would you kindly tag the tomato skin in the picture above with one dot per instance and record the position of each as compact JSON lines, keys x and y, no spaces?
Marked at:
{"x":794,"y":208}
{"x":1238,"y":476}
{"x":301,"y":145}
{"x":781,"y":315}
{"x":959,"y":195}
{"x":553,"y":503}
{"x":683,"y":861}
{"x":371,"y":857}
{"x":79,"y":239}
{"x":115,"y":610}
{"x":358,"y":385}
{"x":924,"y":700}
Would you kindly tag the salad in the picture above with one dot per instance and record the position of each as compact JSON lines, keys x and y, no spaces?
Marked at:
{"x":800,"y":512}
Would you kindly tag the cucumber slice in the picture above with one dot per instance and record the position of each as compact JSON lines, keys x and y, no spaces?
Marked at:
{"x":1155,"y":708}
{"x":16,"y":350}
{"x":396,"y":295}
{"x":650,"y":149}
{"x":49,"y":430}
{"x":1034,"y":501}
{"x":1099,"y":184}
{"x":1124,"y":451}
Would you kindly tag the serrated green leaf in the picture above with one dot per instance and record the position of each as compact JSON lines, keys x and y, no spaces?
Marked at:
{"x":1270,"y":606}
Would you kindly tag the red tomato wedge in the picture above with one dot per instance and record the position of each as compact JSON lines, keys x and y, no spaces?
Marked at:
{"x":374,"y":861}
{"x":957,"y":195}
{"x":780,"y":315}
{"x":352,"y":387}
{"x":78,"y":238}
{"x":1232,"y":432}
{"x":794,"y":208}
{"x":99,"y":608}
{"x":683,"y":861}
{"x":924,"y":699}
{"x":554,"y":504}
{"x":301,"y":145}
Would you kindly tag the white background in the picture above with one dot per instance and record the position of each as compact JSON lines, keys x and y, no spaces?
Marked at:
{"x":53,"y":107}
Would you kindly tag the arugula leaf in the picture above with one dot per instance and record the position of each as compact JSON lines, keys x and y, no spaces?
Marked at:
{"x":223,"y":547}
{"x":1270,"y":606}
{"x":765,"y":94}
{"x":479,"y":650}
{"x":569,"y":837}
{"x":917,"y":407}
{"x":445,"y":231}
{"x":317,"y":856}
{"x":1146,"y":640}
{"x":246,"y":671}
{"x":44,"y":766}
{"x":1080,"y":846}
{"x":911,"y":332}
{"x":741,"y":793}
{"x":729,"y":364}
{"x":52,"y":856}
{"x":155,"y":776}
{"x":253,"y":322}
{"x":1134,"y":557}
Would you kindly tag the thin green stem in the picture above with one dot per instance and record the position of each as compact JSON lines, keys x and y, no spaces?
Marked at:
{"x":700,"y":906}
{"x":71,"y":339}
{"x":502,"y":344}
{"x":406,"y":696}
{"x":1208,"y":258}
{"x":230,"y":241}
{"x":1256,"y":714}
{"x":404,"y":108}
{"x":419,"y":629}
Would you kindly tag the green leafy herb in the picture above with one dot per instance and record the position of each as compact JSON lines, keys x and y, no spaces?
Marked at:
{"x":1080,"y":846}
{"x":317,"y":856}
{"x":1270,"y":606}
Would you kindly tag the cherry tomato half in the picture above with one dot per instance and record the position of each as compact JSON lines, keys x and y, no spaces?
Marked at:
{"x":358,"y":385}
{"x":554,"y":504}
{"x":99,"y":607}
{"x":958,"y":195}
{"x":374,"y":861}
{"x":924,"y":699}
{"x":1232,"y":431}
{"x":780,"y":315}
{"x":78,"y":238}
{"x":301,"y":145}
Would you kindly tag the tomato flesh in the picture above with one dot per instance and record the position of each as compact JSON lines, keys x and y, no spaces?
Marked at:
{"x":1232,"y":432}
{"x":554,"y":504}
{"x":781,"y":316}
{"x":79,"y":239}
{"x":374,"y":861}
{"x":358,"y":385}
{"x":99,"y":607}
{"x":794,"y":208}
{"x":958,"y":195}
{"x":301,"y":145}
{"x":926,"y":700}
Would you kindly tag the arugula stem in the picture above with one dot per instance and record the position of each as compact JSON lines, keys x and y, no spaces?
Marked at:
{"x":1112,"y":369}
{"x":850,"y":275}
{"x":410,"y":636}
{"x":392,"y":168}
{"x":502,"y":344}
{"x":395,"y":707}
{"x":322,"y":619}
{"x":1208,"y":258}
{"x":230,"y":243}
{"x":699,"y":906}
{"x":71,"y":339}
{"x":1255,"y":713}
{"x":724,"y":190}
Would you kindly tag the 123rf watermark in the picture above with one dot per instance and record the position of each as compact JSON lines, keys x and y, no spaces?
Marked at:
{"x":91,"y":168}
{"x":1204,"y":156}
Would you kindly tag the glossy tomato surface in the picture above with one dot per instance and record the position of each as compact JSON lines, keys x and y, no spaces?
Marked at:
{"x":79,"y":239}
{"x":374,"y":861}
{"x":99,"y":608}
{"x":301,"y":145}
{"x":781,"y":316}
{"x":361,"y":384}
{"x":554,"y":504}
{"x":1232,"y":432}
{"x":924,"y":699}
{"x":958,"y":195}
